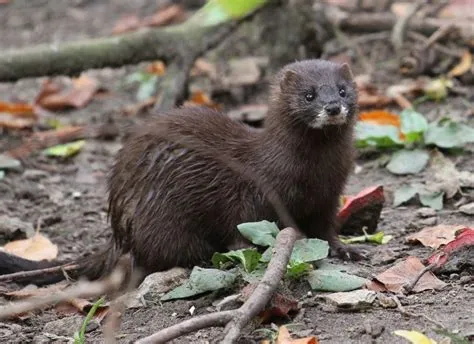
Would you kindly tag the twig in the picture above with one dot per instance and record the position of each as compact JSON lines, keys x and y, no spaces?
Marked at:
{"x":39,"y":272}
{"x":236,"y":319}
{"x":402,"y":310}
{"x":81,"y":289}
{"x":264,"y":290}
{"x":409,"y":287}
{"x":45,"y":139}
{"x":400,"y":28}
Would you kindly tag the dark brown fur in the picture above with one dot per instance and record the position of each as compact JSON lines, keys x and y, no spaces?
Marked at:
{"x":173,"y":204}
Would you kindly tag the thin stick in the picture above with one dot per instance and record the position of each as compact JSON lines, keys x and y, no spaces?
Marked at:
{"x":32,"y":273}
{"x":238,"y":318}
{"x":401,"y":26}
{"x":265,"y":289}
{"x":81,"y":289}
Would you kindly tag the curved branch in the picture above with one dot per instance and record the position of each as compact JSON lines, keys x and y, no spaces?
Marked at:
{"x":236,"y":319}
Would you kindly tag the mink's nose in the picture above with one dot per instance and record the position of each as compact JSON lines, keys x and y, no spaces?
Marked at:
{"x":333,"y":109}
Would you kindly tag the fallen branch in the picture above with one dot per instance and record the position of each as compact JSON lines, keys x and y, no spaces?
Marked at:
{"x":39,"y":272}
{"x":235,"y":320}
{"x":82,"y":289}
{"x":45,"y":139}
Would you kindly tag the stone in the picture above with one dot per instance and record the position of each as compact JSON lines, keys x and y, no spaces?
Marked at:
{"x":467,"y":209}
{"x":425,"y":212}
{"x":154,"y":286}
{"x":352,"y":300}
{"x":12,"y":228}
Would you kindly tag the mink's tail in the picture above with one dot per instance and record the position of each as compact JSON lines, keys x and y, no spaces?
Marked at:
{"x":92,"y":267}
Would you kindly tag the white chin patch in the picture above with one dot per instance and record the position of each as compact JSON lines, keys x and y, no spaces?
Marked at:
{"x":322,"y":119}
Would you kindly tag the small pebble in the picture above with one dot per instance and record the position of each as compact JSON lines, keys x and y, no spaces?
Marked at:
{"x":454,"y":276}
{"x":467,"y":209}
{"x":425,"y":212}
{"x":430,"y":221}
{"x":466,"y":279}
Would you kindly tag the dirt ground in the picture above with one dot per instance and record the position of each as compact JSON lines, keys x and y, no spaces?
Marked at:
{"x":70,"y":198}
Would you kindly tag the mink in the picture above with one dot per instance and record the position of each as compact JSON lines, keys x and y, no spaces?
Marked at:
{"x":174,"y":204}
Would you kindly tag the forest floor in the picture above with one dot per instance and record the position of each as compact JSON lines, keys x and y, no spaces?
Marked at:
{"x":69,"y":196}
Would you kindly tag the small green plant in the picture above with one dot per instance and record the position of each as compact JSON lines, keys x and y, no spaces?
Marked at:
{"x":79,"y":337}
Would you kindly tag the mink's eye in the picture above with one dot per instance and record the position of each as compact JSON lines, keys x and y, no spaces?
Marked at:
{"x":342,"y":92}
{"x":310,"y":95}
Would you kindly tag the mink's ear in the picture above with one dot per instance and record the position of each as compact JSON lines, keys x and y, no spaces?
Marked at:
{"x":289,"y":78}
{"x":346,"y":72}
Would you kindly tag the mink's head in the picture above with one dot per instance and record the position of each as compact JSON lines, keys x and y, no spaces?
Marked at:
{"x":317,"y":93}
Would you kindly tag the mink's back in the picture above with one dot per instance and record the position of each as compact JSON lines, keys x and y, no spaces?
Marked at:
{"x":170,"y":205}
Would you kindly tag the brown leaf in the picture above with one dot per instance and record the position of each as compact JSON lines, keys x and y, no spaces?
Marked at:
{"x":435,"y":236}
{"x":403,"y":273}
{"x":463,"y":66}
{"x":126,"y":24}
{"x":17,"y":115}
{"x":285,"y":338}
{"x":203,"y":67}
{"x":79,"y":95}
{"x":157,"y":68}
{"x":135,"y":109}
{"x":200,"y":98}
{"x":165,"y":16}
{"x":36,"y":248}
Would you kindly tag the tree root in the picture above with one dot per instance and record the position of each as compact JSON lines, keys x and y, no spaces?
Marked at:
{"x":235,"y":320}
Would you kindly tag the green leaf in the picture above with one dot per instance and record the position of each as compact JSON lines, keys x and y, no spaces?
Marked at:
{"x":404,"y":194}
{"x":380,"y":136}
{"x":309,"y":250}
{"x":201,"y":281}
{"x":2,"y":174}
{"x":147,"y":88}
{"x":9,"y":163}
{"x":432,"y":199}
{"x":254,"y":276}
{"x":79,"y":337}
{"x":449,"y":134}
{"x":413,"y":125}
{"x":296,"y":270}
{"x":248,"y":257}
{"x":261,"y":233}
{"x":376,"y":238}
{"x":408,"y":161}
{"x":414,"y":337}
{"x":438,"y":89}
{"x":65,"y":150}
{"x":216,"y":12}
{"x":334,"y":280}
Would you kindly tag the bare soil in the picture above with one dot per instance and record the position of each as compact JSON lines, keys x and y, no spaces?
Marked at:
{"x":70,"y":198}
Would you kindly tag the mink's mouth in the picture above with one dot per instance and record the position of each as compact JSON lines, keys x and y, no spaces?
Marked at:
{"x":324,"y":117}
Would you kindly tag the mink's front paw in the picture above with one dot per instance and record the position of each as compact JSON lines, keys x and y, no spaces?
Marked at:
{"x":347,"y":253}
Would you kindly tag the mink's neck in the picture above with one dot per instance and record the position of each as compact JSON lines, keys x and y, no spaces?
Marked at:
{"x":285,"y":137}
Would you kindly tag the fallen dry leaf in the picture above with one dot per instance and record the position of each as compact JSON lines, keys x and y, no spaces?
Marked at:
{"x":77,"y":96}
{"x":204,"y":67}
{"x":435,"y":236}
{"x":403,"y":273}
{"x":380,"y":117}
{"x":18,"y":109}
{"x":200,"y":98}
{"x":36,"y":248}
{"x":463,"y":66}
{"x":464,"y":238}
{"x":17,"y":115}
{"x":126,"y":24}
{"x":285,"y":338}
{"x":165,"y":16}
{"x":280,"y":305}
{"x":168,"y":15}
{"x":156,"y":68}
{"x":135,"y":109}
